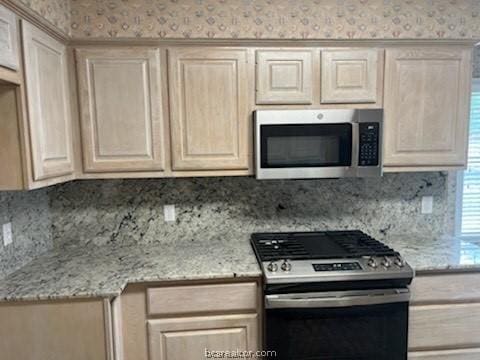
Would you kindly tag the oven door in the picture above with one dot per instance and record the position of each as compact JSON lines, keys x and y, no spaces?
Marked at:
{"x":353,"y":325}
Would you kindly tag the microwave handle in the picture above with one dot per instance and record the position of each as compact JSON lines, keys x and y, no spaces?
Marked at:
{"x":337,"y":301}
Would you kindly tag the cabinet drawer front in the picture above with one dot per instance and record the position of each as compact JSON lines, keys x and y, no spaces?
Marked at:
{"x":8,"y":39}
{"x":443,"y":326}
{"x":202,"y":298}
{"x":446,"y":288}
{"x":463,"y":354}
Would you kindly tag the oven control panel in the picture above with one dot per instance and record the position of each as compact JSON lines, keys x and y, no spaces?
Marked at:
{"x":339,"y":266}
{"x":362,"y":268}
{"x":368,"y":144}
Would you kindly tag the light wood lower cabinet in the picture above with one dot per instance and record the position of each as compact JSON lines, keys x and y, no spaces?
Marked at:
{"x":193,"y":337}
{"x":427,"y":92}
{"x":444,"y":326}
{"x":76,"y":330}
{"x":462,"y":354}
{"x":182,"y":321}
{"x":121,"y":109}
{"x":209,"y":109}
{"x":445,"y":317}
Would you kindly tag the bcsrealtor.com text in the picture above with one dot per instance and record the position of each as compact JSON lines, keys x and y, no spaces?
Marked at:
{"x":239,"y":354}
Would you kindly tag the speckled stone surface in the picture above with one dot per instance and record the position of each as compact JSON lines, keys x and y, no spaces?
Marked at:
{"x":93,"y":271}
{"x":29,"y":214}
{"x":437,"y":253}
{"x":126,"y":211}
{"x":104,"y":271}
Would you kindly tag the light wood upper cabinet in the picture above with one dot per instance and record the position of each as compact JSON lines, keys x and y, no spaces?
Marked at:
{"x":189,"y":338}
{"x":284,"y":76}
{"x":48,"y":104}
{"x":121,"y":109}
{"x":427,"y":92}
{"x":351,"y":76}
{"x":8,"y":39}
{"x":209,"y":109}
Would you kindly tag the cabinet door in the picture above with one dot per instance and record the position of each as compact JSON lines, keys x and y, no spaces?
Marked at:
{"x":434,"y":327}
{"x":121,"y":112}
{"x":191,"y":338}
{"x":351,"y":76}
{"x":460,"y":354}
{"x":284,"y":77}
{"x":48,"y":104}
{"x":427,"y":95}
{"x":209,"y":109}
{"x":8,"y":39}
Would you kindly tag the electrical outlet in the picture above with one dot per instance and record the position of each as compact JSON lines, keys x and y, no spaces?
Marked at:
{"x":7,"y":234}
{"x":169,"y":212}
{"x":427,"y":204}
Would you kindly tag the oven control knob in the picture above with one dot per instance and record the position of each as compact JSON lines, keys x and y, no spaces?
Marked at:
{"x":387,"y":262}
{"x":372,"y":263}
{"x":272,"y":267}
{"x":286,"y":265}
{"x":399,"y":262}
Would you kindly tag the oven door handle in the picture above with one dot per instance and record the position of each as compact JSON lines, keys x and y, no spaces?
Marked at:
{"x":336,"y":299}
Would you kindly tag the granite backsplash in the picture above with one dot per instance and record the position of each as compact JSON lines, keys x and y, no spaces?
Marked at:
{"x":125,"y":211}
{"x":29,"y":214}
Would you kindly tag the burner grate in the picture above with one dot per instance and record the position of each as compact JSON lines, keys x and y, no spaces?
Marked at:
{"x":357,"y":243}
{"x":274,"y":249}
{"x":351,"y":244}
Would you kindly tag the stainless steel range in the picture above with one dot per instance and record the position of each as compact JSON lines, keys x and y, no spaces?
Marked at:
{"x":333,"y":295}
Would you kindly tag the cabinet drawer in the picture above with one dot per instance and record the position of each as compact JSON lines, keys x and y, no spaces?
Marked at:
{"x":446,"y":288}
{"x":202,"y":298}
{"x":463,"y":354}
{"x":444,"y":326}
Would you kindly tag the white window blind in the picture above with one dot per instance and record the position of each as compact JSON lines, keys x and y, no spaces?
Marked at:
{"x":470,"y":202}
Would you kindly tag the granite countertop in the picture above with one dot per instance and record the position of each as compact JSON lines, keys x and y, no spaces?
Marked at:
{"x":443,"y":253}
{"x":104,"y":271}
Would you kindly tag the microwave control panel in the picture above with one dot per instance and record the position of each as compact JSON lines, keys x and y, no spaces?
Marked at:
{"x":368,"y":144}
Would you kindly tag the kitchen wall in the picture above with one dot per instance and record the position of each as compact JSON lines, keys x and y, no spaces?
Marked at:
{"x":293,"y":19}
{"x":29,"y":214}
{"x":56,"y":12}
{"x":132,"y":210}
{"x":277,"y":19}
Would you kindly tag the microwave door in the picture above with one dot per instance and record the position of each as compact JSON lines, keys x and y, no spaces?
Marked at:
{"x":305,"y":150}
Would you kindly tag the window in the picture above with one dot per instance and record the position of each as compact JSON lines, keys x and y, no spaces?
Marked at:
{"x":468,"y":186}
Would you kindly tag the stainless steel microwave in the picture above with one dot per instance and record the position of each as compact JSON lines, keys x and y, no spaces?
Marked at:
{"x":307,"y":144}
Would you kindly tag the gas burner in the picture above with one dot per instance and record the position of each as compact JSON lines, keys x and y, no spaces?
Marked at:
{"x":327,"y":256}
